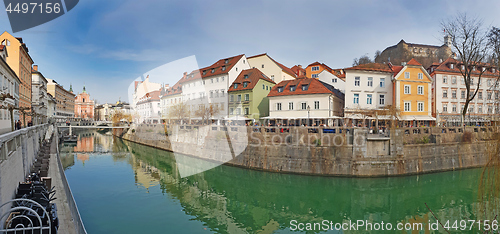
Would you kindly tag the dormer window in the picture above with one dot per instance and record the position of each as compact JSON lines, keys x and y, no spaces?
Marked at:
{"x":280,"y":89}
{"x":452,"y":66}
{"x":213,"y":70}
{"x":204,"y":72}
{"x":305,"y":87}
{"x":493,"y":70}
{"x":223,"y":68}
{"x":483,"y":68}
{"x":245,"y":77}
{"x":292,"y":88}
{"x":235,"y":86}
{"x":462,"y":67}
{"x":245,"y":84}
{"x":226,"y":61}
{"x":473,"y":68}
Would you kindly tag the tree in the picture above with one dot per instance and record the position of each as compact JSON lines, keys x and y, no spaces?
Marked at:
{"x":205,"y":113}
{"x":469,"y":43}
{"x":179,"y":111}
{"x":118,"y":115}
{"x":494,"y":43}
{"x":377,"y":53}
{"x":362,"y":60}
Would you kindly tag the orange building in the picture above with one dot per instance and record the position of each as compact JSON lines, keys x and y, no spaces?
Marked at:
{"x":20,"y":61}
{"x":84,"y":106}
{"x":412,"y":91}
{"x":313,"y":69}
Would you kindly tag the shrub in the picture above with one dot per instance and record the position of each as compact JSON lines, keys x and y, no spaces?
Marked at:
{"x":133,"y":130}
{"x":317,"y":142}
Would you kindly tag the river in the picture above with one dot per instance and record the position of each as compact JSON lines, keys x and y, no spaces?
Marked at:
{"x":123,"y":187}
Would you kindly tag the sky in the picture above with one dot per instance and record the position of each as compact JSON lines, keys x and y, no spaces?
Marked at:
{"x":105,"y":45}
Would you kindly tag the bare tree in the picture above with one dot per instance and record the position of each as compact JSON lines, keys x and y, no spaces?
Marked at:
{"x":469,"y":42}
{"x":494,"y":42}
{"x":179,"y":111}
{"x":362,"y":60}
{"x":377,"y":53}
{"x":206,"y":112}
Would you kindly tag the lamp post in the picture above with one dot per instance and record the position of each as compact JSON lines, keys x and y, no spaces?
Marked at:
{"x":308,"y":110}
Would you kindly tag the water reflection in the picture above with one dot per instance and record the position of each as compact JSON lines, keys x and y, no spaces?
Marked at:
{"x":235,"y":200}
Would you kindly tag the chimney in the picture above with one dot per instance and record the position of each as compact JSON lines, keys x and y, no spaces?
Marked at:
{"x":35,"y":67}
{"x":300,"y":66}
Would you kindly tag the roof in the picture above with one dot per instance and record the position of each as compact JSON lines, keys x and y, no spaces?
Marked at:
{"x":283,"y":67}
{"x":222,"y":66}
{"x":413,"y":62}
{"x":296,"y":69}
{"x":314,"y":87}
{"x":372,"y":67}
{"x":2,"y":47}
{"x":252,"y":77}
{"x":445,"y":67}
{"x":149,"y":97}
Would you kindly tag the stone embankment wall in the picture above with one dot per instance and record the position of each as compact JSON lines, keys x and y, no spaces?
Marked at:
{"x":329,"y":152}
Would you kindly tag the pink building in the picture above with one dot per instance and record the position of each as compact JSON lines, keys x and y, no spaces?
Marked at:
{"x":84,"y":106}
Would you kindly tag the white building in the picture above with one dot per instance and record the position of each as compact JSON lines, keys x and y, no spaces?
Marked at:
{"x":51,"y":106}
{"x":141,"y":88}
{"x":169,"y":97}
{"x":272,"y":69}
{"x":337,"y":81}
{"x":305,"y":99}
{"x":39,"y":100}
{"x":367,"y":87}
{"x":148,"y":107}
{"x":9,"y":85}
{"x":450,"y":93}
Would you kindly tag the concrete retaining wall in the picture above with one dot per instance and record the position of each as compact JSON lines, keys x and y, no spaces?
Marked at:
{"x":348,"y":152}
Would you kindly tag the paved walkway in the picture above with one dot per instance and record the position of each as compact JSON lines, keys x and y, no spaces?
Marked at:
{"x":66,"y":225}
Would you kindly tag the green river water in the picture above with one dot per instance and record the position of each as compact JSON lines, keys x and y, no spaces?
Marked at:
{"x":130,"y":188}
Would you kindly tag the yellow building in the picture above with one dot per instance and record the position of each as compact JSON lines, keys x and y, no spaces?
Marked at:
{"x":65,"y":100}
{"x":20,"y":61}
{"x":413,"y":94}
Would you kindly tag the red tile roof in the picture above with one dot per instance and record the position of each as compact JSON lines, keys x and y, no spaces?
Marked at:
{"x":414,"y":62}
{"x":298,"y":70}
{"x":222,"y":66}
{"x":253,"y":76}
{"x":445,"y":67}
{"x":150,"y":97}
{"x":372,"y":67}
{"x":314,"y":87}
{"x":283,"y":67}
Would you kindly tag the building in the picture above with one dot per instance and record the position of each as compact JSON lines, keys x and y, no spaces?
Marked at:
{"x":313,"y":69}
{"x":65,"y":100}
{"x":39,"y":98}
{"x":368,"y":88}
{"x":20,"y":61}
{"x":209,"y":85}
{"x":169,"y":97}
{"x":412,"y":89}
{"x":84,"y":106}
{"x":9,"y":90}
{"x":148,"y":107}
{"x":248,"y":94}
{"x":51,"y":107}
{"x":141,"y":88}
{"x":277,"y":72}
{"x":335,"y":78}
{"x":103,"y":112}
{"x":307,"y":101}
{"x":426,"y":54}
{"x":299,"y":71}
{"x":450,"y":93}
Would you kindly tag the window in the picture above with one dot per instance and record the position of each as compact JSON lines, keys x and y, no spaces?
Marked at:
{"x":262,"y":65}
{"x":280,"y":89}
{"x":454,"y":94}
{"x":263,"y":86}
{"x":407,"y":75}
{"x":490,"y":110}
{"x":382,"y":82}
{"x":420,"y":106}
{"x":303,"y":106}
{"x":445,"y":79}
{"x":305,"y":87}
{"x":381,"y":99}
{"x":334,"y":80}
{"x":272,"y":77}
{"x":316,"y":105}
{"x":314,"y":75}
{"x":370,"y":81}
{"x":290,"y":106}
{"x":226,"y":61}
{"x":445,"y":108}
{"x":231,"y":111}
{"x":407,"y":89}
{"x":496,"y":95}
{"x":369,"y":99}
{"x":292,"y":87}
{"x":453,"y":79}
{"x":356,"y":98}
{"x":357,"y":80}
{"x":407,"y":106}
{"x":420,"y":90}
{"x":245,"y":84}
{"x":278,"y":106}
{"x":315,"y":68}
{"x":420,"y":76}
{"x":247,"y":111}
{"x":480,"y":109}
{"x":247,"y":97}
{"x":454,"y":108}
{"x":462,"y":81}
{"x":238,"y":111}
{"x":211,"y":94}
{"x":223,"y":68}
{"x":462,"y":95}
{"x":222,"y":93}
{"x":471,"y":108}
{"x":489,"y":96}
{"x":471,"y":81}
{"x":238,"y":98}
{"x":245,"y":77}
{"x":445,"y":93}
{"x":235,"y":86}
{"x":480,"y":95}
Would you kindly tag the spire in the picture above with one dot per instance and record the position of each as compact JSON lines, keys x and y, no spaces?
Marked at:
{"x":84,"y":89}
{"x":71,"y":88}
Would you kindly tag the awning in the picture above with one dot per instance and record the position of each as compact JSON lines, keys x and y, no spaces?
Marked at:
{"x":418,"y":118}
{"x":237,"y":118}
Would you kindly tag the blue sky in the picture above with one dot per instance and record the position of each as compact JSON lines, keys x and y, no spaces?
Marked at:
{"x":107,"y":44}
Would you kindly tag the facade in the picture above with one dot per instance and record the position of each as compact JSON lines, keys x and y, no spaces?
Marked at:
{"x":39,"y":98}
{"x":313,"y":69}
{"x":20,"y":61}
{"x":9,"y":85}
{"x":335,"y":78}
{"x":425,"y":54}
{"x":450,"y":92}
{"x":84,"y":106}
{"x":148,"y":107}
{"x":412,"y":89}
{"x":368,"y":87}
{"x":248,"y":94}
{"x":51,"y":106}
{"x":143,"y":87}
{"x":169,"y":97}
{"x":305,"y":99}
{"x":65,"y":100}
{"x":277,"y":72}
